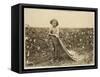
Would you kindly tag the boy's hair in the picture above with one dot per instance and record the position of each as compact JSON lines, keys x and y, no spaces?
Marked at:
{"x":54,"y":20}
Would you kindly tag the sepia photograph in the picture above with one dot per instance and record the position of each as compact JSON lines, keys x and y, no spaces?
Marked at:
{"x":58,"y":38}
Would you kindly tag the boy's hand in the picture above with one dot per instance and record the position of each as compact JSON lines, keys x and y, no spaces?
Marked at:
{"x":53,"y":35}
{"x":57,"y":36}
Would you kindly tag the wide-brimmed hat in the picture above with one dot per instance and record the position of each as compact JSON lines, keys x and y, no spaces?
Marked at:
{"x":54,"y":20}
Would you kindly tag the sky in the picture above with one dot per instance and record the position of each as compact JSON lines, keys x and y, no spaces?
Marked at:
{"x":67,"y":19}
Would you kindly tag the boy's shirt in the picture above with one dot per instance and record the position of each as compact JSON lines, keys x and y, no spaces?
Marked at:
{"x":54,"y":31}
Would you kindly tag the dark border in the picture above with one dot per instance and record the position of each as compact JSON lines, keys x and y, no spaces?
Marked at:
{"x":22,"y":6}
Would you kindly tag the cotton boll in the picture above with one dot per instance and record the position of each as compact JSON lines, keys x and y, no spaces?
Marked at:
{"x":34,"y":40}
{"x":46,"y":40}
{"x":26,"y":38}
{"x":38,"y":48}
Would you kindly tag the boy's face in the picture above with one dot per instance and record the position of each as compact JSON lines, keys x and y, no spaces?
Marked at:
{"x":54,"y":23}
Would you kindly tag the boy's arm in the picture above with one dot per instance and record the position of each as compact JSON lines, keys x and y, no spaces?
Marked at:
{"x":50,"y":32}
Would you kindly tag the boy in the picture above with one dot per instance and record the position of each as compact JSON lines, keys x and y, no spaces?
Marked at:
{"x":54,"y":35}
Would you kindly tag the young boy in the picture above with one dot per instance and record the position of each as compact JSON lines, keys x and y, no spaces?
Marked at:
{"x":54,"y":35}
